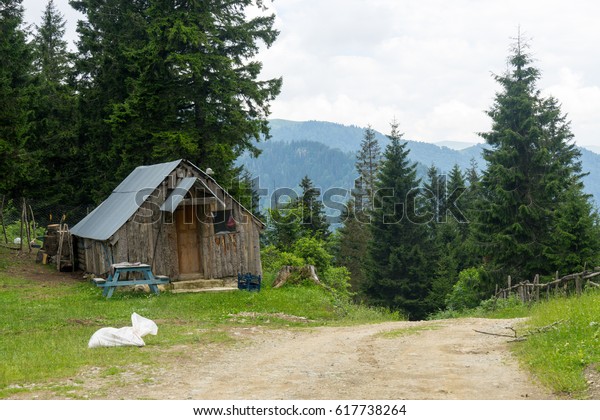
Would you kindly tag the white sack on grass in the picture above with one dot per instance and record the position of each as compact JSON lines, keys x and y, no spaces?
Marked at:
{"x":126,"y":336}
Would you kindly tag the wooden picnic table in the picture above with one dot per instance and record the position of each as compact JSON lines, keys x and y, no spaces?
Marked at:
{"x":119,"y":270}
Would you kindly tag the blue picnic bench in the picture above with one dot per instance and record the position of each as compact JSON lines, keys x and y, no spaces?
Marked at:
{"x":120,"y":270}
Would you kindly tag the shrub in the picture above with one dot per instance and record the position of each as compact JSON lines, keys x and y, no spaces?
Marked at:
{"x":313,"y":252}
{"x":273,"y":259}
{"x":466,"y":293}
{"x":338,"y":278}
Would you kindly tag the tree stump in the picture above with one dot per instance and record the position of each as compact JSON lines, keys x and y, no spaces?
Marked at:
{"x":307,"y":272}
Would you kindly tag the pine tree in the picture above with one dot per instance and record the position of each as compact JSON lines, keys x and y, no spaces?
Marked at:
{"x":398,"y":269}
{"x":435,"y":195}
{"x":533,"y":172}
{"x":196,"y":92}
{"x":314,"y":220}
{"x":284,"y":227}
{"x":368,"y":160}
{"x":355,"y":233}
{"x":51,"y":56}
{"x":17,"y":165}
{"x":576,"y":233}
{"x":354,"y":236}
{"x":52,"y":108}
{"x":105,"y":67}
{"x":472,"y":196}
{"x":452,"y":239}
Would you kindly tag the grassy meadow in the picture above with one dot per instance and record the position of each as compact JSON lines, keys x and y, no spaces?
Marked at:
{"x":48,"y":318}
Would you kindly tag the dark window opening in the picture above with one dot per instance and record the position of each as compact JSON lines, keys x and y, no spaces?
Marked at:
{"x":223,"y":221}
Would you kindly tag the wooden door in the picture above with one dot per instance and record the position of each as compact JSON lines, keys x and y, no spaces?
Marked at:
{"x":188,"y":240}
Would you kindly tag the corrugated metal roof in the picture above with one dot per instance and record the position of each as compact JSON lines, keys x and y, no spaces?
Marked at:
{"x":124,"y":201}
{"x":178,"y":194}
{"x":184,"y":186}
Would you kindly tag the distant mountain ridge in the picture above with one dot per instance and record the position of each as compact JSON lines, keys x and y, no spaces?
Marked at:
{"x":348,"y":139}
{"x":325,"y":152}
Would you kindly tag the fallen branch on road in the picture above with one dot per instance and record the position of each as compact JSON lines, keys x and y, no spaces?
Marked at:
{"x":516,"y":337}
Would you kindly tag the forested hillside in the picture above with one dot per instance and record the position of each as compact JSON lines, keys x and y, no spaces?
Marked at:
{"x":325,"y":152}
{"x":348,"y":138}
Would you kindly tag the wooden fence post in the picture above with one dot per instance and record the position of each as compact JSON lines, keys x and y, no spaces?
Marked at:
{"x":2,"y":220}
{"x":578,"y":285}
{"x":27,"y":225}
{"x":509,"y":286}
{"x":536,"y":285}
{"x":21,"y":232}
{"x":520,"y":291}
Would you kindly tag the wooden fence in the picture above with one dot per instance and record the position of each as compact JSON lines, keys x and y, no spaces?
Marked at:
{"x":532,"y":291}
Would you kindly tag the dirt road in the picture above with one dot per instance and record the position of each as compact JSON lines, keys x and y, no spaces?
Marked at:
{"x":427,"y":360}
{"x":399,"y":361}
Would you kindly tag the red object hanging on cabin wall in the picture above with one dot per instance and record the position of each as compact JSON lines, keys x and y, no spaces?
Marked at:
{"x":231,"y":223}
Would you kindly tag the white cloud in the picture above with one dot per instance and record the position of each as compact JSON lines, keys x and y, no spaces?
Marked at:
{"x":454,"y":118}
{"x":582,"y":104}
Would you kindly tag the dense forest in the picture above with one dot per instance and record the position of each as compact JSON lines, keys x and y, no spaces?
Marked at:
{"x":158,"y":80}
{"x":150,"y":81}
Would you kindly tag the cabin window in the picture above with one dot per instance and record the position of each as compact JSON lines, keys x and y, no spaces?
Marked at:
{"x":224,"y":222}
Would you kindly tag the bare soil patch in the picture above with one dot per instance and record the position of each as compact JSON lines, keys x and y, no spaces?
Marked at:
{"x":390,"y":361}
{"x":23,"y":265}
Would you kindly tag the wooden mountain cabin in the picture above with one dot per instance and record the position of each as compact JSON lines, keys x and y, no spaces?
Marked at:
{"x":176,"y":218}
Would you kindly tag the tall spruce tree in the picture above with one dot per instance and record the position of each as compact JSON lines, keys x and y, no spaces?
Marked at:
{"x":368,"y":160}
{"x":354,"y":237}
{"x":355,"y":233}
{"x":435,"y":191}
{"x":196,"y":92}
{"x":314,"y":221}
{"x":52,"y":108}
{"x":17,"y":165}
{"x":105,"y":68}
{"x":399,"y":272}
{"x":452,"y":238}
{"x":533,"y":172}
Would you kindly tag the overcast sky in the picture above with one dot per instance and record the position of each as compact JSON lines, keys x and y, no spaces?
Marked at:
{"x":427,"y":63}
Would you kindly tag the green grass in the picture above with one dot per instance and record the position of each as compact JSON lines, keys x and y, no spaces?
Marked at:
{"x":559,"y":356}
{"x":495,"y":309}
{"x":404,"y":332}
{"x":45,"y":326}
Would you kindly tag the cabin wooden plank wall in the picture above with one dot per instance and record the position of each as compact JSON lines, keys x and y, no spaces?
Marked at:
{"x":81,"y":254}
